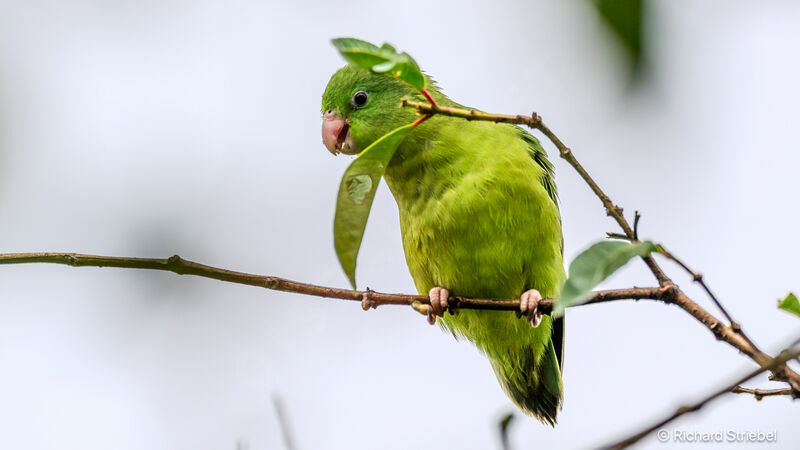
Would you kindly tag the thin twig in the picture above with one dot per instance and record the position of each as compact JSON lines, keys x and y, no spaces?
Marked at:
{"x":283,"y":422}
{"x":778,"y":361}
{"x":761,"y":393}
{"x":698,"y":278}
{"x":368,"y":298}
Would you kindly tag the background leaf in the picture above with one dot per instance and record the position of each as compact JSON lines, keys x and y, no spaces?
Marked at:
{"x":624,"y":18}
{"x":356,"y":192}
{"x":505,"y":422}
{"x":790,"y":304}
{"x":594,"y":265}
{"x":384,"y":59}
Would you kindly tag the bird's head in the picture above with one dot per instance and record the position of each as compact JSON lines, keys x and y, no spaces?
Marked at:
{"x":358,"y":107}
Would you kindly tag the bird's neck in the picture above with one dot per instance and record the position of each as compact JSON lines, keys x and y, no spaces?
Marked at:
{"x":421,"y":170}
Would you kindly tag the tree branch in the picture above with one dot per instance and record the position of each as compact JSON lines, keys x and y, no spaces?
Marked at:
{"x":773,"y":364}
{"x":368,"y":298}
{"x":761,"y":393}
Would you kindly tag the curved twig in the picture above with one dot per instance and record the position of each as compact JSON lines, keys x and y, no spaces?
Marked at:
{"x":698,"y":278}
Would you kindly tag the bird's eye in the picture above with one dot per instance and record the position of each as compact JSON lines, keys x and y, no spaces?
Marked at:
{"x":359,"y":99}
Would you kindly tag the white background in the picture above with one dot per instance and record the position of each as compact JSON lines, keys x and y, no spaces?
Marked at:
{"x":158,"y":127}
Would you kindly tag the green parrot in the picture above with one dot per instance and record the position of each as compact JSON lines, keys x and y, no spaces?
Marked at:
{"x":479,"y":218}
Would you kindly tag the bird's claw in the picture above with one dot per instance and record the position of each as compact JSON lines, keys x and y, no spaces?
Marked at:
{"x":529,"y":307}
{"x":439,"y":303}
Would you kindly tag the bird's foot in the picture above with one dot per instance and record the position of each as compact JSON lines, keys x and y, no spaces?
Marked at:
{"x":439,"y":303}
{"x":529,"y":307}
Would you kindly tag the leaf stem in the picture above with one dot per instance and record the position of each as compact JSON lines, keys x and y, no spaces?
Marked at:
{"x":421,"y":120}
{"x":429,"y":98}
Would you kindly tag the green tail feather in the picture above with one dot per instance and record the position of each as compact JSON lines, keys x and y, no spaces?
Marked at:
{"x":534,"y":387}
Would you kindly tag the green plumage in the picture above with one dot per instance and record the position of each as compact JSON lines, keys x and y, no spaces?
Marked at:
{"x":478,"y":215}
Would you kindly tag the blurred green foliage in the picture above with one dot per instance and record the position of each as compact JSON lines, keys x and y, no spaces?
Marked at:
{"x":624,"y":18}
{"x":504,"y":426}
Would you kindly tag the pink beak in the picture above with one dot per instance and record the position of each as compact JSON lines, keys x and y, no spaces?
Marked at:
{"x":336,"y":134}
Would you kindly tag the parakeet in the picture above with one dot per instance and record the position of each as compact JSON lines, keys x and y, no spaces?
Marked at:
{"x":479,"y":218}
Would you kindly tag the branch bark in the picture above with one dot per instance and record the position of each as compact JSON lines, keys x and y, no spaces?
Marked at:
{"x":761,"y":393}
{"x":368,"y":298}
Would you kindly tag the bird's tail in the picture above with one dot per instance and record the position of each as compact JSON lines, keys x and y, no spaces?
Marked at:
{"x":534,"y":386}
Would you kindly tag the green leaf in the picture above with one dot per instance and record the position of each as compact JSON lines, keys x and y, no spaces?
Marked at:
{"x":356,"y":193}
{"x":593,"y":266}
{"x":790,"y":304}
{"x":383,"y":59}
{"x":358,"y":186}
